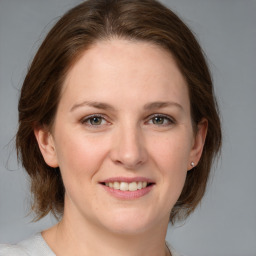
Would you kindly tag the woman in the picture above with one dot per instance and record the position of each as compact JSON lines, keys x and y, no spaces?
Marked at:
{"x":118,"y":128}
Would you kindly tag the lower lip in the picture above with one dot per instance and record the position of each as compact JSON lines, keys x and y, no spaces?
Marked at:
{"x":128,"y":195}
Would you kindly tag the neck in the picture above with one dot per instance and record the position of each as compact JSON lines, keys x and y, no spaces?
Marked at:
{"x":77,"y":236}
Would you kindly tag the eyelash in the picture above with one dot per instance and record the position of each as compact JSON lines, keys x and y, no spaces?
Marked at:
{"x":170,"y":120}
{"x":88,"y":118}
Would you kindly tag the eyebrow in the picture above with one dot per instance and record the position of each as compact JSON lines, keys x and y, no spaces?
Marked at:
{"x":162,"y":104}
{"x":147,"y":107}
{"x":94,"y":104}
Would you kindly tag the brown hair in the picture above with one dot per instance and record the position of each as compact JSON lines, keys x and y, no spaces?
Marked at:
{"x":76,"y":31}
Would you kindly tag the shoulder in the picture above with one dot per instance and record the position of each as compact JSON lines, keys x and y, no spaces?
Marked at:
{"x":34,"y":246}
{"x":12,"y":250}
{"x":173,"y":251}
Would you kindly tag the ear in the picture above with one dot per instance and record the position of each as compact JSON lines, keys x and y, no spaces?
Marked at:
{"x":47,"y":147}
{"x":198,"y":143}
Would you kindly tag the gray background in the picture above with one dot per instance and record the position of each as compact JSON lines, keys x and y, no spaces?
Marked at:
{"x":225,"y":223}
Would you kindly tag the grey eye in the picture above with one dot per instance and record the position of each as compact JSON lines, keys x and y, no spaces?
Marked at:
{"x":161,"y":120}
{"x":97,"y":120}
{"x":158,"y":120}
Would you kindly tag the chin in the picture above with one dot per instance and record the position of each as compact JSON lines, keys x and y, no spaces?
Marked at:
{"x":129,"y":223}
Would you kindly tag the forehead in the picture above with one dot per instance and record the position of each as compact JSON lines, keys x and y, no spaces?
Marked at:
{"x":126,"y":70}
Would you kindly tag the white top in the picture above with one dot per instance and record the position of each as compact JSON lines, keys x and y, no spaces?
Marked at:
{"x":35,"y":246}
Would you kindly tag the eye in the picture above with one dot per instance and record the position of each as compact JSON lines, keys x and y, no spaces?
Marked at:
{"x":94,"y":120}
{"x":161,"y":120}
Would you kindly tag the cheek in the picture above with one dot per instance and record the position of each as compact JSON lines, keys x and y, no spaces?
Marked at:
{"x":171,"y":153}
{"x":79,"y":156}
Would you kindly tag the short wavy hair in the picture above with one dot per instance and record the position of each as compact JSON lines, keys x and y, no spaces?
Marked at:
{"x":76,"y":31}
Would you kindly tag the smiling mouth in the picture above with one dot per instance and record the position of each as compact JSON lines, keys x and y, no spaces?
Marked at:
{"x":128,"y":186}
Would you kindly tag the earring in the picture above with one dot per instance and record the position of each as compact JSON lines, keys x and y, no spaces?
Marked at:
{"x":192,"y":164}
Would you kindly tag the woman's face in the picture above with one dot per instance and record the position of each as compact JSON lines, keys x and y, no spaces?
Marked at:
{"x":123,"y":123}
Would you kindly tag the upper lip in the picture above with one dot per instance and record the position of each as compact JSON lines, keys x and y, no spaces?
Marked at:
{"x":127,"y":179}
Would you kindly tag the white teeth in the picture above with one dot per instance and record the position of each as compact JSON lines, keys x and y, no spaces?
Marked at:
{"x":125,"y":186}
{"x":133,"y":186}
{"x":139,"y":185}
{"x":116,"y":185}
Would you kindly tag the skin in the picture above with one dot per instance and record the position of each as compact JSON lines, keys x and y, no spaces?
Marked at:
{"x":126,"y":141}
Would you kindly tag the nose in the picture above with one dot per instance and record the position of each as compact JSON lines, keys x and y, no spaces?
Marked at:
{"x":129,"y":149}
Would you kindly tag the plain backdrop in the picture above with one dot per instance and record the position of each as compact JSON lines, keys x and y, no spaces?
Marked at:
{"x":225,"y":222}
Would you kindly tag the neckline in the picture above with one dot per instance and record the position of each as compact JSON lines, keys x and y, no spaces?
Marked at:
{"x":45,"y":245}
{"x":50,"y":251}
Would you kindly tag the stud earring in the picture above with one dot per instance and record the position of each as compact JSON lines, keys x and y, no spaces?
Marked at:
{"x":192,"y":164}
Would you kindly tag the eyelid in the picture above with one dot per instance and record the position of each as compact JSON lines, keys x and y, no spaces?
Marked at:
{"x":84,"y":120}
{"x":87,"y":118}
{"x":169,"y":118}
